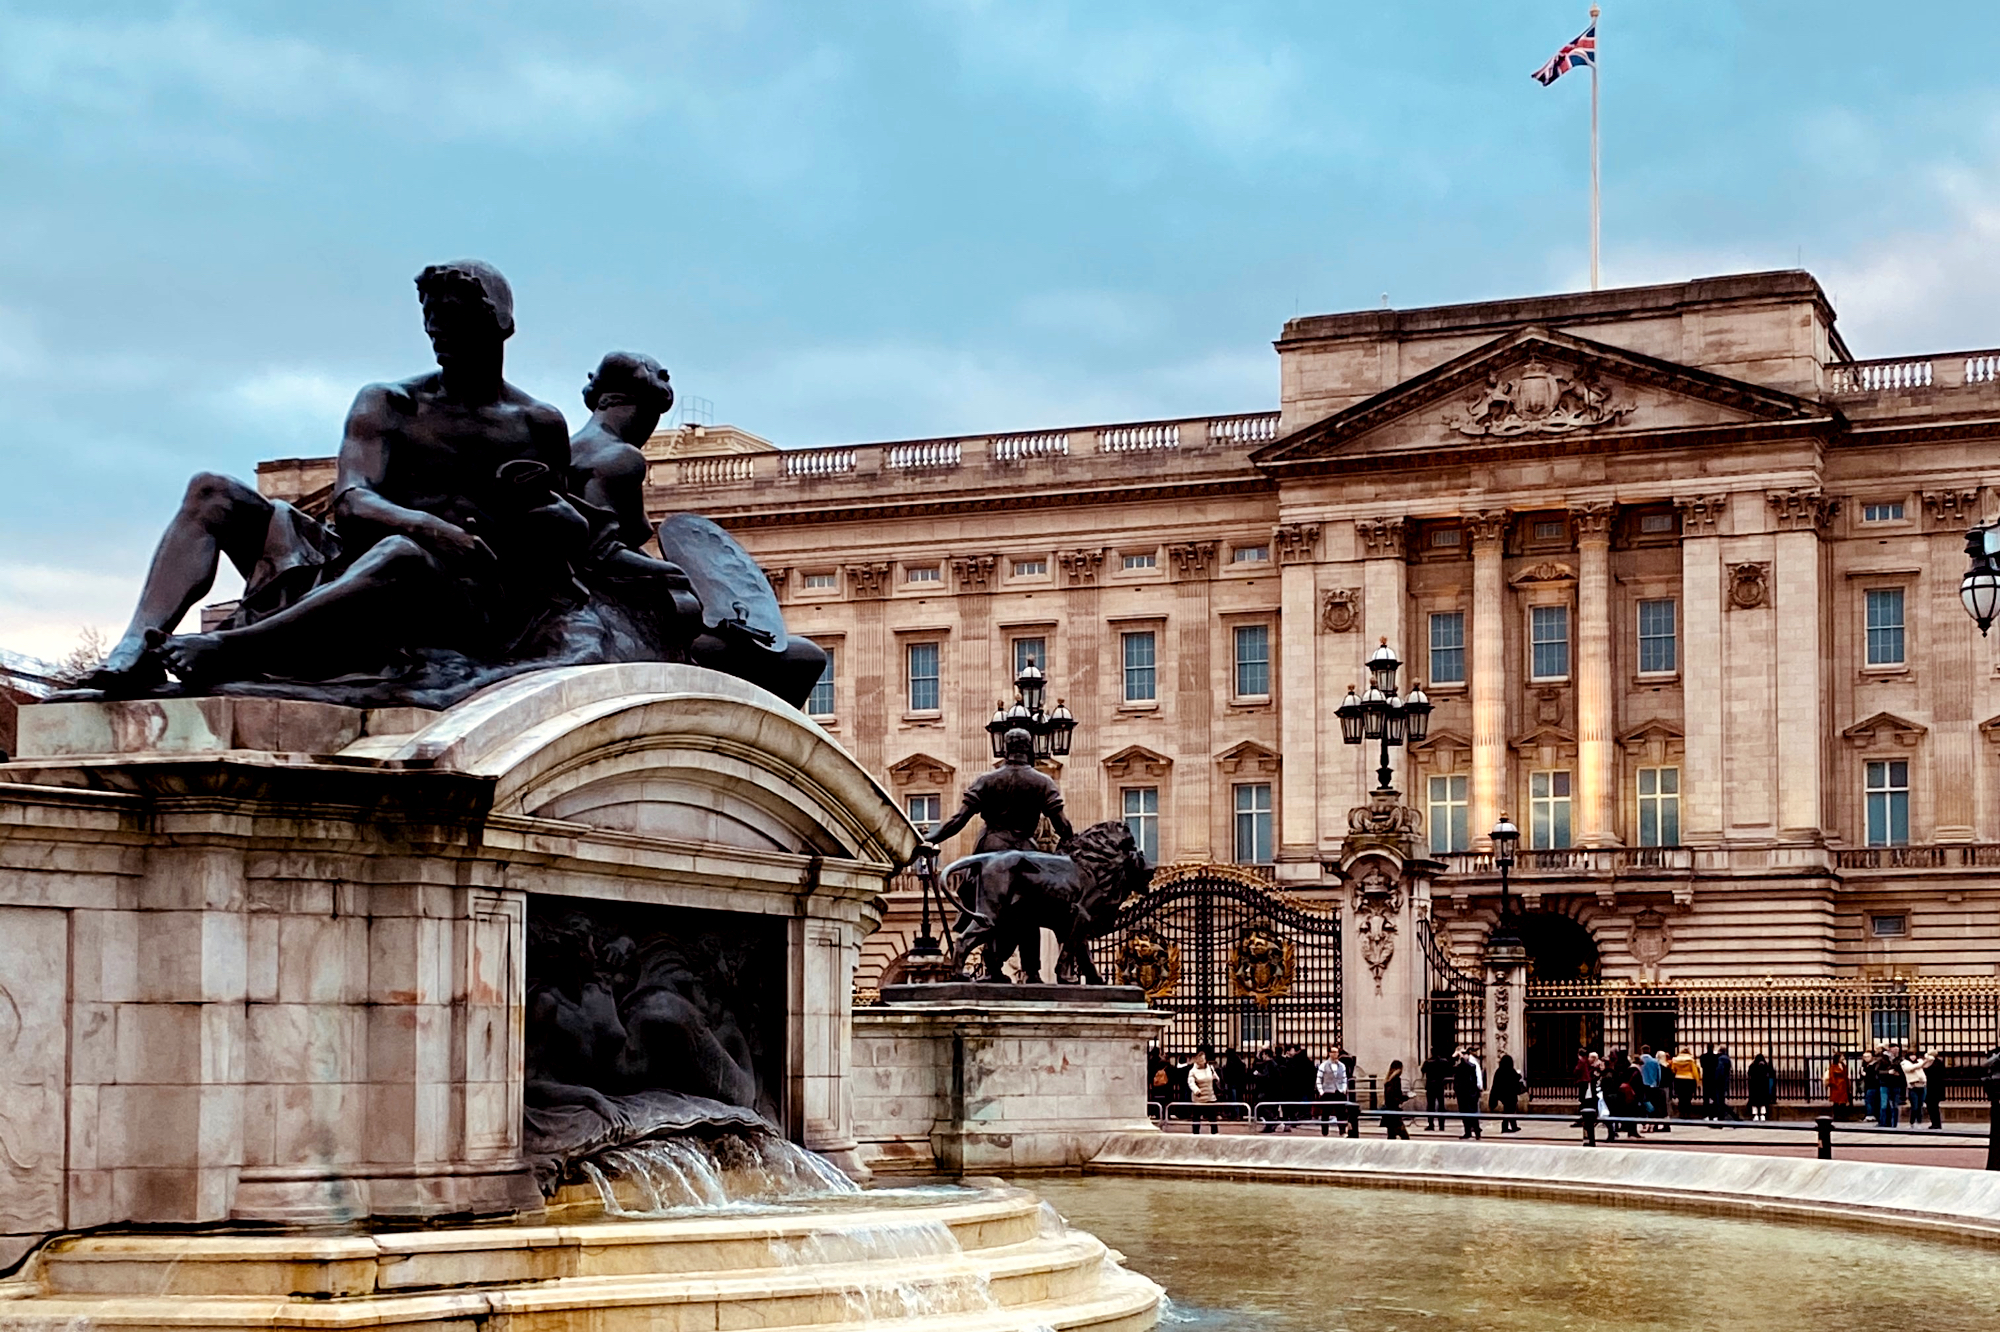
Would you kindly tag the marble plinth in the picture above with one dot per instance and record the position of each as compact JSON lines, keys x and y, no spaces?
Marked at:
{"x":1000,"y":1085}
{"x":1002,"y":992}
{"x":268,"y":958}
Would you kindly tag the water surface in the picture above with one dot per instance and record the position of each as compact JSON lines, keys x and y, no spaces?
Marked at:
{"x":1251,"y":1257}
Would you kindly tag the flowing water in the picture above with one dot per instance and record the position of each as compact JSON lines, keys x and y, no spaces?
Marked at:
{"x":671,"y":1174}
{"x":1255,"y":1257}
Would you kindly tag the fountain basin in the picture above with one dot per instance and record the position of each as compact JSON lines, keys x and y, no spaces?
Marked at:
{"x":968,"y":1259}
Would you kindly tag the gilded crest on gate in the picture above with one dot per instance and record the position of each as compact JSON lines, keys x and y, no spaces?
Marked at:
{"x":1148,"y":961}
{"x":1261,"y":965}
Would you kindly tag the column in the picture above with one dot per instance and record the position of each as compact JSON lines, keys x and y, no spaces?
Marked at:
{"x":1800,"y":715}
{"x":1082,"y":630}
{"x":1298,"y":697}
{"x":1596,"y":714}
{"x":1954,"y":737}
{"x":1701,"y":668}
{"x":1201,"y":830}
{"x":1488,"y":531}
{"x":875,"y":676}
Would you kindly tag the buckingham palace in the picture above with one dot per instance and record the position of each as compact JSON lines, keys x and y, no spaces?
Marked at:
{"x":1679,"y":574}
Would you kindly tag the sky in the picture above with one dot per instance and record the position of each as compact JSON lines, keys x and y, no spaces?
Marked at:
{"x":850,"y":220}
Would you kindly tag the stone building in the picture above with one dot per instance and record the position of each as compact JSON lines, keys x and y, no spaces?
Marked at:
{"x":1679,"y":574}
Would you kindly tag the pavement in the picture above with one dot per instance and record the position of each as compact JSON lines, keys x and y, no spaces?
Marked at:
{"x":1851,"y":1142}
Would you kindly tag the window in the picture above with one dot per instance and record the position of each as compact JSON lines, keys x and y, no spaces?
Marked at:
{"x":1147,"y":561}
{"x":1253,"y":661}
{"x":819,"y":703}
{"x":1889,"y":512}
{"x":1551,"y":529}
{"x":1249,"y":554}
{"x":1659,"y":807}
{"x":1253,"y":824}
{"x":1888,"y":927}
{"x":1888,"y":791}
{"x":1448,"y":647}
{"x":1444,"y":538}
{"x":926,"y":812}
{"x":1448,"y":815}
{"x":1548,"y":810}
{"x":1652,"y":524}
{"x":1141,"y":682}
{"x":1885,"y":626}
{"x":821,"y":582}
{"x":1548,"y":637}
{"x":1031,"y":649}
{"x":1142,"y":816}
{"x":923,"y":662}
{"x":923,"y":573}
{"x":1657,"y":654}
{"x":1030,"y":568}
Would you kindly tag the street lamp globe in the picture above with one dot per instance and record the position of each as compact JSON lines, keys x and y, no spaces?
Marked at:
{"x":1382,"y":667}
{"x":1417,"y":711}
{"x":1374,"y":714}
{"x":1059,"y":725}
{"x":1350,"y":715}
{"x":1032,"y":684}
{"x":1980,"y":591}
{"x":1505,"y":836}
{"x":996,"y":730}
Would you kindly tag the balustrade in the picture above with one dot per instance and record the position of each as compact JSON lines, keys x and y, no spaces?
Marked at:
{"x":1132,"y":438}
{"x":818,"y":462}
{"x":1261,"y":428}
{"x":720,"y":471}
{"x":935,"y":453}
{"x":1014,"y":448}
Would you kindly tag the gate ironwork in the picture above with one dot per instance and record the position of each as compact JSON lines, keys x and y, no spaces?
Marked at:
{"x":1237,"y":964}
{"x":1452,"y":1011}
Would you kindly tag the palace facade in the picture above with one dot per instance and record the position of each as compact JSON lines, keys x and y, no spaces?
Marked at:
{"x":1679,"y":574}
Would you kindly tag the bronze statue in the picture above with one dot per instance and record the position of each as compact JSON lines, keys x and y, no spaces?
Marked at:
{"x":467,"y":539}
{"x":1012,"y":801}
{"x":1006,"y":898}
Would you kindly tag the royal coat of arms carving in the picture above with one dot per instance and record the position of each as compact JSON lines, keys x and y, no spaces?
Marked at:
{"x":1539,"y":401}
{"x":1148,"y":961}
{"x":1261,"y":965}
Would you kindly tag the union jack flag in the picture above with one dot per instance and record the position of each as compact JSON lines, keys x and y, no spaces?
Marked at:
{"x":1579,"y":54}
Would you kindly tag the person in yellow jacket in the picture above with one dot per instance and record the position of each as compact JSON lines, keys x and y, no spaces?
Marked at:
{"x":1687,"y":1082}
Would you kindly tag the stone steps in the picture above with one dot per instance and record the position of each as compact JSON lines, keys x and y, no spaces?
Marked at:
{"x":987,"y":1264}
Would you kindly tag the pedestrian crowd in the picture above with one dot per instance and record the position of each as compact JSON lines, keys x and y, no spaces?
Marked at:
{"x":1629,"y":1093}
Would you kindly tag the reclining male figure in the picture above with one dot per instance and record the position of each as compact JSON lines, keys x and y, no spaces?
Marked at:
{"x":449,"y":527}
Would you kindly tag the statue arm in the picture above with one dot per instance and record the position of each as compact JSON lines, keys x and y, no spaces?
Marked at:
{"x":364,"y":463}
{"x":1058,"y":820}
{"x":968,"y":808}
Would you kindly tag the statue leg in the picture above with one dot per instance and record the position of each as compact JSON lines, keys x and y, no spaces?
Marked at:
{"x":218,"y":516}
{"x":374,"y":606}
{"x":1031,"y":953}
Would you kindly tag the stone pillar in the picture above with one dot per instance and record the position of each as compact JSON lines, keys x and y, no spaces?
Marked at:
{"x":1506,"y":1017}
{"x":875,"y":677}
{"x":1299,"y":712}
{"x":1489,"y":667}
{"x":1801,"y":712}
{"x":1382,"y":967}
{"x":1596,"y":714}
{"x":1200,"y":832}
{"x":1954,"y":737}
{"x":821,"y":1028}
{"x":1701,"y":668}
{"x":1084,"y":789}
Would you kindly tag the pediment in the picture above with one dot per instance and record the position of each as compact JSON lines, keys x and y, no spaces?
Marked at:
{"x":1247,"y":757}
{"x":1538,"y":389}
{"x":1137,"y":761}
{"x":1653,"y":741}
{"x":1884,"y":728}
{"x":1547,"y":738}
{"x":921,"y":770}
{"x":1438,"y":741}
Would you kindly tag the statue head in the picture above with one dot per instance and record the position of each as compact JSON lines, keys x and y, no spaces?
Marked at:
{"x":1018,"y":746}
{"x":628,"y":378}
{"x":468,"y":310}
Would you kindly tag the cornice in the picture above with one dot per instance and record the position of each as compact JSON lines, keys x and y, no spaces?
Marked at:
{"x":807,"y":511}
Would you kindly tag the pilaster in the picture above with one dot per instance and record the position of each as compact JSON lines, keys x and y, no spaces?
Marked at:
{"x":1701,"y":667}
{"x":1488,"y":531}
{"x":1298,"y":704}
{"x":1596,"y":720}
{"x":1193,"y":565}
{"x":1954,"y":737}
{"x":1800,"y":660}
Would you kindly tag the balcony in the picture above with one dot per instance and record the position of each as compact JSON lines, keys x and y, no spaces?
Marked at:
{"x":1577,"y":862}
{"x":1941,"y":856}
{"x":1946,"y":370}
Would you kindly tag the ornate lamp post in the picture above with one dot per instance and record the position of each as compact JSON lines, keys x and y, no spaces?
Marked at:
{"x":1503,"y":946}
{"x":1980,"y":588}
{"x":1380,"y":715}
{"x":1051,"y":729}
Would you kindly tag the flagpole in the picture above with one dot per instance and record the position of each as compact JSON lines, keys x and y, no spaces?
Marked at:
{"x":1596,"y":56}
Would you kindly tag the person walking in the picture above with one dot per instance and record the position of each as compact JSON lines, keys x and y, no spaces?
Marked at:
{"x":1299,"y":1077}
{"x":1393,"y":1096}
{"x":1916,"y":1080}
{"x":1202,"y":1082}
{"x":1687,"y":1082}
{"x":1839,"y":1088}
{"x":1652,"y":1079}
{"x":1762,"y":1080}
{"x":1437,"y":1085}
{"x":1468,"y":1080}
{"x":1889,"y":1073}
{"x":1934,"y":1095}
{"x":1330,"y":1089}
{"x":1508,"y":1084}
{"x":1264,"y":1087}
{"x":1871,"y":1083}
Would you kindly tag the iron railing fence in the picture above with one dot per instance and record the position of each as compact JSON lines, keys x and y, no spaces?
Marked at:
{"x":1800,"y":1027}
{"x":1452,"y":1009}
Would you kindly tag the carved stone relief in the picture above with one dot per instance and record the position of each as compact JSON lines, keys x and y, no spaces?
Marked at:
{"x":973,"y":572}
{"x":1381,"y":538}
{"x":1297,"y":543}
{"x":1192,"y":559}
{"x":1080,"y":567}
{"x":1539,"y":401}
{"x":868,"y":580}
{"x":1378,"y":901}
{"x":1701,"y":514}
{"x":1749,"y":584}
{"x":1340,"y":610}
{"x":1651,"y":938}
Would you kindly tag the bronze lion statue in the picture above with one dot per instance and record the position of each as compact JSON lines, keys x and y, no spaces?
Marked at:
{"x":1005,"y":899}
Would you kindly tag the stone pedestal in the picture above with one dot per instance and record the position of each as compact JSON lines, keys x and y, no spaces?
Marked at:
{"x":1386,"y":883}
{"x":268,"y":958}
{"x":983,"y":1086}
